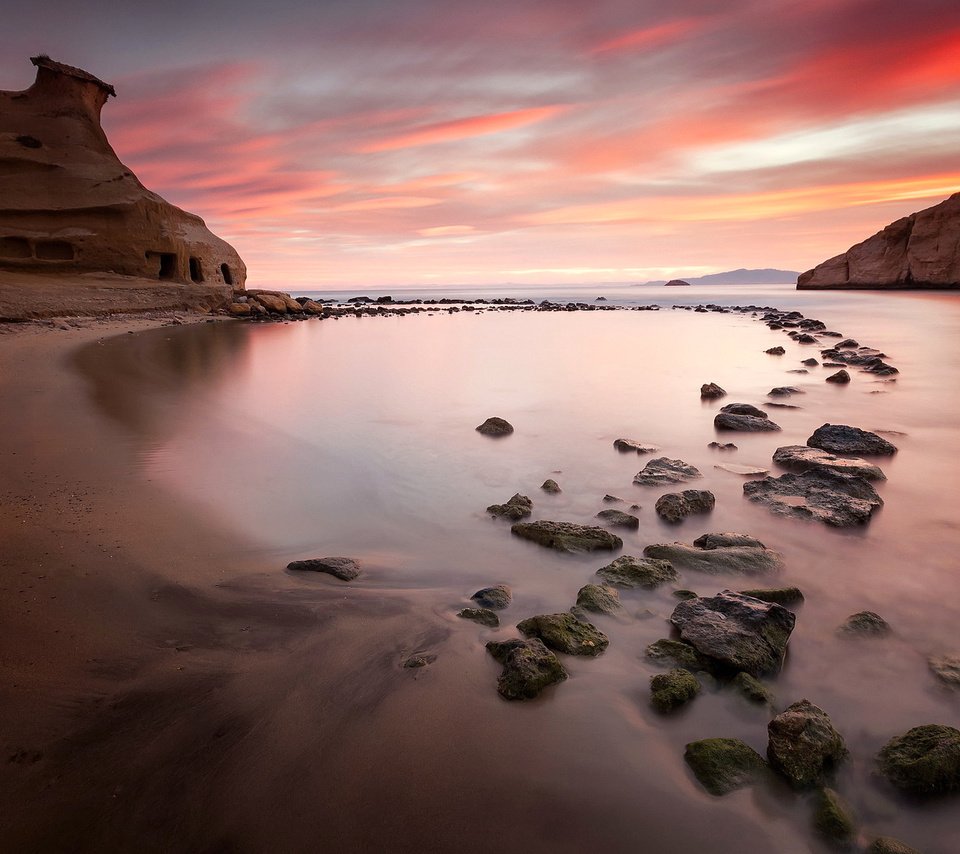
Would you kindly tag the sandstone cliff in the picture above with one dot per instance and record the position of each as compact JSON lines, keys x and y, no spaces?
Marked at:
{"x":919,"y":251}
{"x":70,"y":209}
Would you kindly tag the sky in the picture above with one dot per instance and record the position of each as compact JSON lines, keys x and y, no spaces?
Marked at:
{"x":363,"y":143}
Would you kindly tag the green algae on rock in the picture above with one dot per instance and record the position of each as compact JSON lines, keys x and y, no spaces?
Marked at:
{"x":528,"y":667}
{"x":722,"y":765}
{"x":484,"y":616}
{"x":803,"y":745}
{"x":628,"y":571}
{"x":565,"y":633}
{"x":675,"y":688}
{"x":676,"y":653}
{"x":832,"y":818}
{"x":923,"y":761}
{"x":599,"y":598}
{"x":567,"y":536}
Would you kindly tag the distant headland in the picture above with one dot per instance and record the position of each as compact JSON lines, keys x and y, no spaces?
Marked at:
{"x":735,"y":277}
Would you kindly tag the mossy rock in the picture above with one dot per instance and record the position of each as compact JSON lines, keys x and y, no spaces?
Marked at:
{"x":629,"y":571}
{"x":567,"y":536}
{"x":484,"y":616}
{"x":565,"y":633}
{"x":780,"y":595}
{"x":889,"y":845}
{"x":677,"y":653}
{"x":528,"y":667}
{"x":923,"y":761}
{"x":722,"y":765}
{"x":803,"y":745}
{"x":752,"y":689}
{"x":496,"y":598}
{"x":684,"y":594}
{"x":865,"y":624}
{"x":832,"y":819}
{"x":599,"y":599}
{"x":675,"y":688}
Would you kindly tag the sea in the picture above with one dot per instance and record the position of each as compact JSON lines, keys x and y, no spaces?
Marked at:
{"x":356,"y":437}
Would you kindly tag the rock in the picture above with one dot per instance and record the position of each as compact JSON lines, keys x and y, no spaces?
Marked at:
{"x":239,"y":309}
{"x":923,"y":761}
{"x":921,"y":250}
{"x":811,"y":362}
{"x":724,"y":764}
{"x":517,"y":507}
{"x":735,"y":560}
{"x":633,"y":446}
{"x":840,"y":439}
{"x":676,"y":506}
{"x":495,"y":427}
{"x":683,"y":593}
{"x":344,"y":568}
{"x":752,"y":689}
{"x":840,"y":376}
{"x":889,"y":845}
{"x":784,"y":391}
{"x":565,"y":633}
{"x":599,"y":599}
{"x":677,"y":283}
{"x":528,"y":667}
{"x":865,"y":624}
{"x":725,"y":539}
{"x":628,"y":571}
{"x":663,"y":471}
{"x":733,"y":468}
{"x":273,"y":301}
{"x":567,"y":536}
{"x":496,"y":598}
{"x":946,"y":668}
{"x":677,"y":653}
{"x":781,"y":595}
{"x":804,"y":458}
{"x":417,"y":661}
{"x":840,"y":500}
{"x":619,"y":519}
{"x":551,"y":487}
{"x":744,"y":409}
{"x":744,"y":423}
{"x":70,"y":208}
{"x":736,"y":632}
{"x":722,"y":446}
{"x":775,"y":351}
{"x":484,"y":616}
{"x":310,"y":306}
{"x":805,"y":338}
{"x":612,"y":499}
{"x":832,"y":819}
{"x":670,"y":690}
{"x":803,"y":745}
{"x":711,"y":391}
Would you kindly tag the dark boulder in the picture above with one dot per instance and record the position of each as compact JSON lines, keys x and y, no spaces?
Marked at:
{"x":484,"y":616}
{"x":598,"y":599}
{"x":841,"y":377}
{"x":675,"y":688}
{"x":344,"y":568}
{"x":528,"y":667}
{"x":619,"y":519}
{"x":744,"y":423}
{"x":781,"y":595}
{"x":551,"y":487}
{"x":495,"y":598}
{"x":923,"y":761}
{"x":495,"y":427}
{"x":775,"y":351}
{"x":744,"y":409}
{"x":567,"y":536}
{"x":517,"y":507}
{"x":711,"y":391}
{"x":676,"y":506}
{"x":840,"y":500}
{"x":841,"y":439}
{"x":724,"y":764}
{"x":565,"y":633}
{"x":865,"y":624}
{"x":804,"y":746}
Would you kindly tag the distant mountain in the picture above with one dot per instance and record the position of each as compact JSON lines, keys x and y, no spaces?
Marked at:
{"x":740,"y":277}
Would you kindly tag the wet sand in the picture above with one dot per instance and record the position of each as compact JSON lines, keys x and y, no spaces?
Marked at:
{"x":167,"y":687}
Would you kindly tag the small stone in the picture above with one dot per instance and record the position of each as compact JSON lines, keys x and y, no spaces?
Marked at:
{"x":743,"y":409}
{"x":811,"y":362}
{"x":722,"y":765}
{"x":517,"y":507}
{"x":803,"y":745}
{"x":722,"y":446}
{"x":551,"y":486}
{"x":344,"y":568}
{"x":565,"y":633}
{"x":889,"y":845}
{"x":841,"y":439}
{"x":746,"y":471}
{"x":484,"y":616}
{"x":924,"y":761}
{"x":946,"y":668}
{"x":599,"y":599}
{"x":832,"y":819}
{"x":775,"y":351}
{"x":676,"y":506}
{"x":865,"y":624}
{"x":840,"y":376}
{"x":752,"y":689}
{"x":496,"y":598}
{"x":663,"y":471}
{"x":727,"y":539}
{"x":670,"y":690}
{"x":784,"y":391}
{"x":628,"y":571}
{"x":780,"y":595}
{"x":633,"y":446}
{"x":619,"y":519}
{"x":415,"y":661}
{"x":711,"y":391}
{"x":684,"y":594}
{"x":495,"y":427}
{"x":612,"y":499}
{"x":528,"y":667}
{"x":744,"y":423}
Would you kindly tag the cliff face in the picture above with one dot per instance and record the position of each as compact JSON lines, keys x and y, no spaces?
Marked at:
{"x":919,"y":251}
{"x":68,"y":206}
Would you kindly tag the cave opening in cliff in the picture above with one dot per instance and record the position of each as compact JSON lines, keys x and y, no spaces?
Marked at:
{"x":227,"y":275}
{"x":196,"y":271}
{"x":166,"y":264}
{"x":55,"y":250}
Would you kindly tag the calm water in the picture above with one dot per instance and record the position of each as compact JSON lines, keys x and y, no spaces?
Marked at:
{"x":356,"y":437}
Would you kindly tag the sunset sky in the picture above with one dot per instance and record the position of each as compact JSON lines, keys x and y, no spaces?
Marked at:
{"x":432,"y":142}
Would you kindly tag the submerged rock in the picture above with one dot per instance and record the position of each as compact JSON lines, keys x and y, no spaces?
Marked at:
{"x":619,"y":519}
{"x":724,"y":764}
{"x":775,"y":351}
{"x":840,"y":500}
{"x":744,"y":409}
{"x":832,"y":818}
{"x":528,"y":667}
{"x":923,"y":761}
{"x":744,"y":423}
{"x":780,"y":595}
{"x":803,"y":458}
{"x":551,"y":487}
{"x":803,"y":745}
{"x":416,"y":661}
{"x":565,"y":633}
{"x":598,"y":598}
{"x":840,"y":376}
{"x":567,"y":536}
{"x":344,"y":568}
{"x":711,"y":391}
{"x":726,"y":539}
{"x":669,"y":691}
{"x":628,"y":571}
{"x":736,"y":632}
{"x":676,"y":506}
{"x":674,"y":653}
{"x":495,"y":427}
{"x":517,"y":507}
{"x":841,"y":439}
{"x":865,"y":624}
{"x":746,"y":471}
{"x":484,"y":616}
{"x":889,"y":845}
{"x":946,"y":668}
{"x":632,"y":445}
{"x":722,"y":446}
{"x":785,"y":390}
{"x":752,"y":689}
{"x":738,"y":560}
{"x":495,"y":598}
{"x":663,"y":471}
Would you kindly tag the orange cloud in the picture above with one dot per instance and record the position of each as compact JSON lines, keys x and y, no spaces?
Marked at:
{"x":649,"y":37}
{"x":463,"y":128}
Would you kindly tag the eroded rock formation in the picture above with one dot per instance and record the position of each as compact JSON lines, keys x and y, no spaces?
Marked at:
{"x":69,"y":207}
{"x":918,"y":251}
